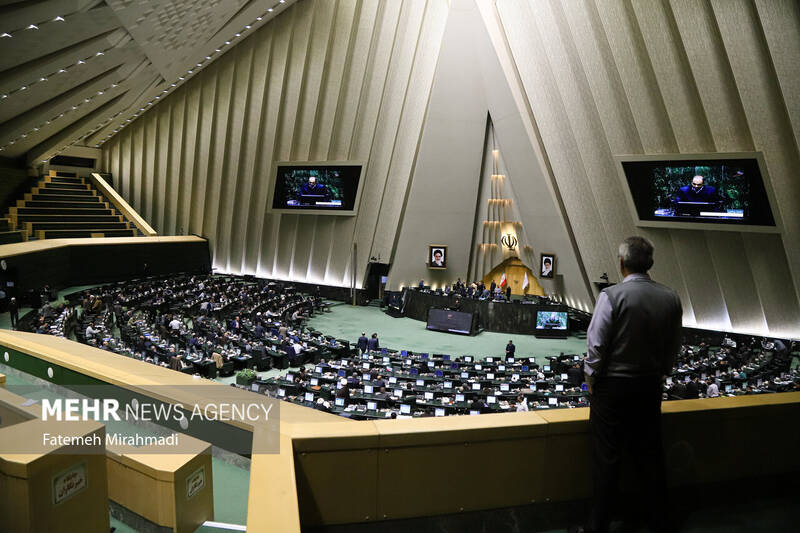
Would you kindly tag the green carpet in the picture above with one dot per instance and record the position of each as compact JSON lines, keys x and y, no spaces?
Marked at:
{"x":347,"y":322}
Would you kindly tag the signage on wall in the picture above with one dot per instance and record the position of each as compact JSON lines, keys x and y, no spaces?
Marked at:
{"x":195,"y":482}
{"x":70,"y":483}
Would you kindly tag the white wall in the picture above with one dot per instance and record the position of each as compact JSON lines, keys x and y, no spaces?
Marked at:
{"x":442,"y":207}
{"x":602,"y":78}
{"x":324,"y":80}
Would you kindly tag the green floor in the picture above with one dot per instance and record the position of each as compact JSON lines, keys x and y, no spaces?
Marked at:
{"x":347,"y":322}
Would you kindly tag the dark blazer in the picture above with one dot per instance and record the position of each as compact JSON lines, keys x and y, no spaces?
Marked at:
{"x":575,"y":376}
{"x":362,"y":343}
{"x":372,"y":344}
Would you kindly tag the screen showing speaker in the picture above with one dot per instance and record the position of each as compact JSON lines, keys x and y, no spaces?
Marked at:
{"x":317,"y":188}
{"x":728,"y":191}
{"x":551,"y":320}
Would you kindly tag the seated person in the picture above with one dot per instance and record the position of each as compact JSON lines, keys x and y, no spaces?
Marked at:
{"x":698,"y":191}
{"x":313,"y":191}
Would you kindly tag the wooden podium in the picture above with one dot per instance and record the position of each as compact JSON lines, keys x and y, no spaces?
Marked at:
{"x":515,"y":271}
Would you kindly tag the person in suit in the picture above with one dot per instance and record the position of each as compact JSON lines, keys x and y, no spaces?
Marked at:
{"x":632,"y":342}
{"x":13,"y":310}
{"x":692,"y":389}
{"x":344,"y":389}
{"x":508,"y":292}
{"x":363,"y":342}
{"x":492,"y":287}
{"x":372,"y":344}
{"x":698,"y":191}
{"x":510,"y":349}
{"x":315,"y":189}
{"x":575,"y":375}
{"x":678,"y":391}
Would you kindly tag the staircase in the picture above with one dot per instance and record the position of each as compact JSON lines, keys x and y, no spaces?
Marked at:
{"x":14,"y":181}
{"x":67,"y":206}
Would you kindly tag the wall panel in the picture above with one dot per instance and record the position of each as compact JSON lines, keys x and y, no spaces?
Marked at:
{"x":612,"y":77}
{"x":339,"y":79}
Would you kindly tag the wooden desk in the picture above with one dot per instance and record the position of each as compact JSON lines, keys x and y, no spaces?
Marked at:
{"x":60,"y":490}
{"x":169,"y":489}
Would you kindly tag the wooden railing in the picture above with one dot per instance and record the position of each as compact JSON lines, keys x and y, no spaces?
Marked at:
{"x":121,"y":205}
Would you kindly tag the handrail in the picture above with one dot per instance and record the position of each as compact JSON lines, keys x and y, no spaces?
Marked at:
{"x":123,"y":206}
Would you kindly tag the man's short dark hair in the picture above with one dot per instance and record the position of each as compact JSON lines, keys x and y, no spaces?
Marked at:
{"x":547,"y":260}
{"x":636,"y":254}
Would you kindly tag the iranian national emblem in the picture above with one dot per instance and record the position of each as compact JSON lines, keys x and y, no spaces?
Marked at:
{"x":509,"y":241}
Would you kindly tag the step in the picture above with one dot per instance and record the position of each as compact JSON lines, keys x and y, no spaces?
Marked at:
{"x":56,"y":204}
{"x":62,"y":198}
{"x":76,"y":234}
{"x":9,"y":237}
{"x":61,"y":179}
{"x":37,"y":226}
{"x":19,"y":211}
{"x":51,"y":185}
{"x":68,"y":218}
{"x":68,"y":192}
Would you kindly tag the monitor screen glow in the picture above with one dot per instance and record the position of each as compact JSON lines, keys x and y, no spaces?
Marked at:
{"x":326,"y":187}
{"x":551,"y":320}
{"x":727,"y":190}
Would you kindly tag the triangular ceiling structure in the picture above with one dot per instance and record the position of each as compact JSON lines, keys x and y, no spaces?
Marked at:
{"x":75,"y":72}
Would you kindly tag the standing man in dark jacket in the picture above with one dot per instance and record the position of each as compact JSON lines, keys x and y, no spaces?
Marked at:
{"x":633,"y":339}
{"x":362,"y":343}
{"x":372,"y":343}
{"x":13,"y":310}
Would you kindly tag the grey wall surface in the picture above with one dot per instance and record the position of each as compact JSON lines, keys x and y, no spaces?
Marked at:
{"x":656,"y":76}
{"x":325,"y":80}
{"x":443,"y":206}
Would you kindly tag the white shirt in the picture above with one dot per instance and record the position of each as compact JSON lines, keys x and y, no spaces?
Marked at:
{"x":89,"y":331}
{"x":175,"y":324}
{"x":713,"y":391}
{"x":522,"y":407}
{"x":297,"y":348}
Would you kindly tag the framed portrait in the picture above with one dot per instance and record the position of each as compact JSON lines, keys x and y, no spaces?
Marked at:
{"x":437,"y":256}
{"x":547,"y":266}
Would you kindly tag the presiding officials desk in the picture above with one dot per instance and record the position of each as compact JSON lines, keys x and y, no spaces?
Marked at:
{"x":501,"y":316}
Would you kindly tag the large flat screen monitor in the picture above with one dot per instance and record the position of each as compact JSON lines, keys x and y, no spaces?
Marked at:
{"x":450,"y":321}
{"x":551,"y":321}
{"x":726,"y":191}
{"x":318,"y":187}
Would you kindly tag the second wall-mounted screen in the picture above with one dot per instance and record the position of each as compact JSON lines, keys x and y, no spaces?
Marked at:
{"x":725,"y":191}
{"x":319,"y":187}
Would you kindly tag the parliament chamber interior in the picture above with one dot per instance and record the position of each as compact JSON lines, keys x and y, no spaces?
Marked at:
{"x":399,"y":265}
